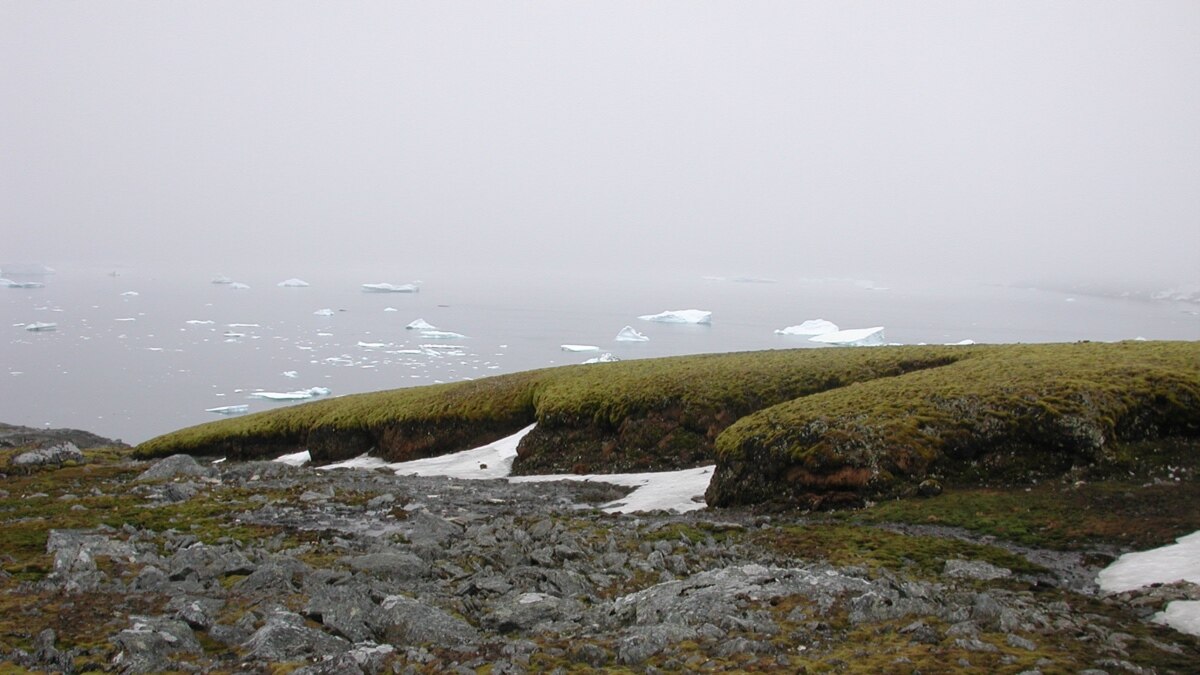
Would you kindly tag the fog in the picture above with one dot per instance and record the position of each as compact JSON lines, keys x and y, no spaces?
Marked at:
{"x":990,"y":141}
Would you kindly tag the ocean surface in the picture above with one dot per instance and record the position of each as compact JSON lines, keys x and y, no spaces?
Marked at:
{"x":138,"y":353}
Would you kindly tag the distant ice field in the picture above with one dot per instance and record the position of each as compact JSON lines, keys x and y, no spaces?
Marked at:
{"x":142,"y":353}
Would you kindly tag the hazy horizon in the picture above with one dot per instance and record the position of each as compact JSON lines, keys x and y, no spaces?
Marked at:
{"x":932,"y":140}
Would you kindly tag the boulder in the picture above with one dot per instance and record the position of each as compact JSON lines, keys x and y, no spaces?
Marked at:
{"x":54,"y":455}
{"x":174,"y":467}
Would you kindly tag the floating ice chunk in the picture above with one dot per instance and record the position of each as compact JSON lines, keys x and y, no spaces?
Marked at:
{"x":390,"y":309}
{"x":855,"y":337}
{"x":290,"y":373}
{"x":324,"y":312}
{"x":392,"y":288}
{"x":372,"y":345}
{"x":222,"y":279}
{"x":421,"y":324}
{"x":243,"y":325}
{"x":21,"y":284}
{"x":128,"y":318}
{"x":237,"y":285}
{"x":6,"y":282}
{"x":292,"y":283}
{"x":606,"y":357}
{"x":130,"y":294}
{"x":441,"y":335}
{"x":810,"y":327}
{"x":199,"y":322}
{"x":229,"y":409}
{"x":41,"y":327}
{"x":579,"y":348}
{"x":679,"y":316}
{"x":629,"y":334}
{"x":295,"y":459}
{"x":298,"y":395}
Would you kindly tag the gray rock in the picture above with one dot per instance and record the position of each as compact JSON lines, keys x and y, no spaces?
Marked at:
{"x":285,"y":637}
{"x":390,"y":565}
{"x":175,"y":466}
{"x":639,"y":643}
{"x":974,"y":569}
{"x":54,"y":455}
{"x":148,"y":646}
{"x":284,"y":576}
{"x":528,"y":611}
{"x":1020,"y":642}
{"x":344,"y":611}
{"x":199,"y":613}
{"x":403,"y":621}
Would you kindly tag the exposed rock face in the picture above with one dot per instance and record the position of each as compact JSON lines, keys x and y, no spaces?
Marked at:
{"x":13,"y":436}
{"x":53,"y":455}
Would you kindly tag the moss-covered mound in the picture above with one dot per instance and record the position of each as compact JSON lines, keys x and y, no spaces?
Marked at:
{"x":1000,"y":414}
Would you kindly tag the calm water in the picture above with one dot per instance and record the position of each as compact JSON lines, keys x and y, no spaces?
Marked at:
{"x":132,"y":366}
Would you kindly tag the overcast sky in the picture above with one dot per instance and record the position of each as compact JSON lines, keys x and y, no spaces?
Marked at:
{"x":990,"y":140}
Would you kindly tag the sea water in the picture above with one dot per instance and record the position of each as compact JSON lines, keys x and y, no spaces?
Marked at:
{"x":141,"y":353}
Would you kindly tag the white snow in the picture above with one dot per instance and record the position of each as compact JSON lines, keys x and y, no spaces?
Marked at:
{"x":41,"y":327}
{"x":298,"y":395}
{"x":679,"y":316}
{"x":392,"y":288}
{"x":229,"y":409}
{"x":666,"y":490}
{"x":420,"y":324}
{"x":960,"y":343}
{"x":295,"y":459}
{"x":292,"y":283}
{"x":855,"y":337}
{"x":1176,"y":562}
{"x":324,"y":312}
{"x":629,"y":334}
{"x":810,"y":327}
{"x":441,"y":335}
{"x":579,"y":348}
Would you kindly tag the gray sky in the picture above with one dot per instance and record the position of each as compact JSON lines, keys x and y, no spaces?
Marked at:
{"x":990,"y":140}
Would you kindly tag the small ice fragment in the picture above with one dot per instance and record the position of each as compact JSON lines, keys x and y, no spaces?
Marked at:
{"x":392,"y":288}
{"x":441,"y":335}
{"x":21,"y":284}
{"x":855,"y":337}
{"x":130,"y":318}
{"x":292,"y":283}
{"x":222,"y":279}
{"x":130,"y":294}
{"x":41,"y":327}
{"x":324,"y":312}
{"x":390,"y":309}
{"x":228,"y":409}
{"x":679,"y":316}
{"x":579,"y":348}
{"x":372,"y":345}
{"x":629,"y":334}
{"x":238,"y":285}
{"x":606,"y":357}
{"x":291,"y":373}
{"x":810,"y":327}
{"x":198,"y":322}
{"x":420,"y":324}
{"x":298,"y":395}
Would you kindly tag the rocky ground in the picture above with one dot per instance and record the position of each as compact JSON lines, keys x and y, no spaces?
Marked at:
{"x":183,"y":565}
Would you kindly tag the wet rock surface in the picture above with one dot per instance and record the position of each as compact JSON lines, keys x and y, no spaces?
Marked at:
{"x":387,"y":574}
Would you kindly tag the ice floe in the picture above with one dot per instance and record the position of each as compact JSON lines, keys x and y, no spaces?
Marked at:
{"x":392,"y":288}
{"x":41,"y":327}
{"x":630,"y":334}
{"x":855,"y":337}
{"x":1177,"y":562}
{"x":229,"y":409}
{"x":292,"y":283}
{"x":298,"y":395}
{"x":199,"y":322}
{"x":290,"y":373}
{"x":130,"y":294}
{"x":324,"y":312}
{"x":237,"y":285}
{"x":579,"y":348}
{"x":21,"y":284}
{"x":222,"y":279}
{"x":810,"y":327}
{"x":679,"y":316}
{"x":372,"y":345}
{"x":420,"y":324}
{"x":441,"y":335}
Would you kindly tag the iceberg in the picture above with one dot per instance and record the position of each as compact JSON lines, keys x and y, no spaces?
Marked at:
{"x":21,"y":284}
{"x":237,"y":285}
{"x":324,"y":312}
{"x":298,"y":395}
{"x":679,"y":316}
{"x":855,"y":337}
{"x":290,"y":373}
{"x":579,"y":348}
{"x":606,"y":357}
{"x":629,"y":334}
{"x":441,"y":335}
{"x":810,"y":327}
{"x":292,"y":283}
{"x":421,"y":324}
{"x":40,"y":327}
{"x":392,"y":288}
{"x":229,"y":409}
